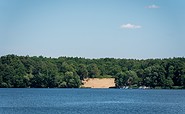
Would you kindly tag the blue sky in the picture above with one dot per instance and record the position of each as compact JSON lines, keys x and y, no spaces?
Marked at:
{"x":138,"y":29}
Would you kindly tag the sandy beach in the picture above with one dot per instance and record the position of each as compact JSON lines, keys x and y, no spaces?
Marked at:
{"x":99,"y":82}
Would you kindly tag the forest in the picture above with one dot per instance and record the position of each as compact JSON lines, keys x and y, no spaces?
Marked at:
{"x":68,"y":72}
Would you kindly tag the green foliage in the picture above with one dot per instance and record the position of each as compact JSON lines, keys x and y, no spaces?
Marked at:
{"x":68,"y":72}
{"x":121,"y":79}
{"x":183,"y":80}
{"x":93,"y":71}
{"x":105,"y":76}
{"x":82,"y":71}
{"x":71,"y":80}
{"x":127,"y":78}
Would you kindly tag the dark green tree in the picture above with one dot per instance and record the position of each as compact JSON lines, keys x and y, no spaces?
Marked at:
{"x":93,"y":71}
{"x":121,"y":79}
{"x":71,"y":80}
{"x":82,"y":71}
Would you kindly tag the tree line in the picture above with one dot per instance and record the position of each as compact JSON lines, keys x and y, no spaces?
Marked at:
{"x":68,"y":72}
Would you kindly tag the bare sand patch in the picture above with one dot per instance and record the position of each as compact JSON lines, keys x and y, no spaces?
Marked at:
{"x":99,"y":83}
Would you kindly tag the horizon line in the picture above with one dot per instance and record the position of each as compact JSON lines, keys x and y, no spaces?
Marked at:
{"x":155,"y":58}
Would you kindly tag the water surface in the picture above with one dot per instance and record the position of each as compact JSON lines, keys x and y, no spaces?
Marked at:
{"x":91,"y":101}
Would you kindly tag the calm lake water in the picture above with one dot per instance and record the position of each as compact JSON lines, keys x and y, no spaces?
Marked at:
{"x":91,"y":101}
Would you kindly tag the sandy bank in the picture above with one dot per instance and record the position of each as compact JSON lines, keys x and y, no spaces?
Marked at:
{"x":99,"y":82}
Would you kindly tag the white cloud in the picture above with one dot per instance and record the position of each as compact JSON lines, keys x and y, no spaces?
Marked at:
{"x":152,"y":6}
{"x":130,"y":26}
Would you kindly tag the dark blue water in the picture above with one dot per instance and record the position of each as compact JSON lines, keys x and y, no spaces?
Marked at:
{"x":91,"y":101}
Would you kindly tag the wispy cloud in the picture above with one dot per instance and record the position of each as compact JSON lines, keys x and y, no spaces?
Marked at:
{"x":152,"y":6}
{"x":130,"y":26}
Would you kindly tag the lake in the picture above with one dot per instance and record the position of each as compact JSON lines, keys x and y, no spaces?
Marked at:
{"x":91,"y":101}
